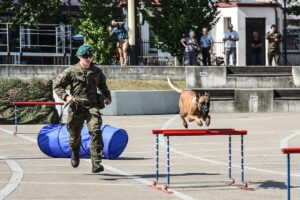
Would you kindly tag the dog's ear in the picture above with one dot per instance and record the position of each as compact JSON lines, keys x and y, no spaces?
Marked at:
{"x":207,"y":94}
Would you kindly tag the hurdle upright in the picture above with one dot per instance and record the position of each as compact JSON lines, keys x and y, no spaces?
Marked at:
{"x":32,"y":103}
{"x":289,"y":151}
{"x":200,"y":132}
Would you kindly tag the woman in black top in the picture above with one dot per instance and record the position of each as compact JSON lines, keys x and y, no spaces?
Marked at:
{"x":256,"y":45}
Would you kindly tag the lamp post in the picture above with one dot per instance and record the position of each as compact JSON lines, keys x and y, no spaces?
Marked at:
{"x":131,"y":30}
{"x":284,"y":33}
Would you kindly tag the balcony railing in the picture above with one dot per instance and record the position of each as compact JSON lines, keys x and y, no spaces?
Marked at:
{"x":249,"y":1}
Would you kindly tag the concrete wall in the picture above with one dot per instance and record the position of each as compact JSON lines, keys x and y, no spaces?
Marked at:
{"x":216,"y":77}
{"x":139,"y":103}
{"x":166,"y":102}
{"x":112,"y":72}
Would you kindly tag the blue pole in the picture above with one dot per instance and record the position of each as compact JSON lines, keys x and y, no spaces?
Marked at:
{"x":168,"y":160}
{"x":242,"y":158}
{"x":16,"y":119}
{"x":288,"y":177}
{"x":157,"y":157}
{"x":229,"y":160}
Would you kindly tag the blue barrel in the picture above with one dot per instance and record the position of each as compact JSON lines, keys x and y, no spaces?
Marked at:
{"x":53,"y":141}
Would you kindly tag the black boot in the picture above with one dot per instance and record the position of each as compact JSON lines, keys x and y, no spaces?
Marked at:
{"x":75,"y":159}
{"x":97,"y":167}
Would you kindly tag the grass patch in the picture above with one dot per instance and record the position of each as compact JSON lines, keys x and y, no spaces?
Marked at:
{"x":130,"y":84}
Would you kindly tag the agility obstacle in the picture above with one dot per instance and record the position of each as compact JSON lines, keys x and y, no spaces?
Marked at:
{"x":32,"y":104}
{"x":289,"y":151}
{"x":198,"y":132}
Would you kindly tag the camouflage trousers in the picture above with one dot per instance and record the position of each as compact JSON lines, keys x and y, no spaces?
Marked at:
{"x":94,"y":121}
{"x":273,"y":53}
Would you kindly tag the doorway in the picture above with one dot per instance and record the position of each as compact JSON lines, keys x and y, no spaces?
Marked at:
{"x":258,"y":25}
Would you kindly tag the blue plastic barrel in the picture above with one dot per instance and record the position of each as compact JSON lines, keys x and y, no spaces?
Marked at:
{"x":53,"y":140}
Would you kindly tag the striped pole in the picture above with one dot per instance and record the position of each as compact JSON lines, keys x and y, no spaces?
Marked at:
{"x":229,"y":160}
{"x":61,"y":110}
{"x":288,"y":177}
{"x":16,"y":120}
{"x":157,"y":157}
{"x":168,"y":160}
{"x":242,"y":159}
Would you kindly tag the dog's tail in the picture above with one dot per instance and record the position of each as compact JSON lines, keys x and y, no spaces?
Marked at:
{"x":172,"y":85}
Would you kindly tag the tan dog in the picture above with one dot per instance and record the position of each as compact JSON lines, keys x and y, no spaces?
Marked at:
{"x":192,"y":105}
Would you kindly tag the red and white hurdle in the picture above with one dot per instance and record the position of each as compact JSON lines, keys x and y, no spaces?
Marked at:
{"x":198,"y":132}
{"x":32,"y":104}
{"x":289,"y":151}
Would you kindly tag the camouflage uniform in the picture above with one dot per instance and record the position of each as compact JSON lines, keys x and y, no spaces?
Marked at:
{"x":274,"y":47}
{"x":83,"y":86}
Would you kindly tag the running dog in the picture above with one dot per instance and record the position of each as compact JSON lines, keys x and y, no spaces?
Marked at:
{"x":192,"y":105}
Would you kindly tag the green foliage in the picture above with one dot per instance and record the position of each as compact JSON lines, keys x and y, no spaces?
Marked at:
{"x":172,"y":20}
{"x":31,"y":12}
{"x":93,"y":22}
{"x":27,"y":90}
{"x":293,"y":7}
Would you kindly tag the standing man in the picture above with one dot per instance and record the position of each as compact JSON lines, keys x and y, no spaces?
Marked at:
{"x":274,"y":38}
{"x":230,"y":39}
{"x":84,"y":79}
{"x":256,"y":49}
{"x":207,"y":44}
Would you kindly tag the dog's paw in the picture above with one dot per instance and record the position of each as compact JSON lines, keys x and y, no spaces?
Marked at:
{"x":207,"y":121}
{"x":185,"y":125}
{"x":199,"y":122}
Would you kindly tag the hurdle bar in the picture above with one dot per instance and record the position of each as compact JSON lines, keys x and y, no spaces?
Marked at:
{"x":31,"y":103}
{"x":289,"y":151}
{"x":200,"y":132}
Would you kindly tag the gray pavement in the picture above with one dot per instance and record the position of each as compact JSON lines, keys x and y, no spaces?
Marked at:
{"x":198,"y":164}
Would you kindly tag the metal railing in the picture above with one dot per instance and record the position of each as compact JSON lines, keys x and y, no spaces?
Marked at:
{"x":45,"y":40}
{"x":250,"y":1}
{"x":149,"y":55}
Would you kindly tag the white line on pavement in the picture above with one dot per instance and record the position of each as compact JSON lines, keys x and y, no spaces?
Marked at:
{"x":284,"y":142}
{"x":15,"y":179}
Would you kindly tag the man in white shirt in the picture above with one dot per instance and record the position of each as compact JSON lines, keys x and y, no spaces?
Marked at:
{"x":230,"y":39}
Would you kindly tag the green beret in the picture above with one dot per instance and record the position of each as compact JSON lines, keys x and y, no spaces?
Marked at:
{"x":84,"y":50}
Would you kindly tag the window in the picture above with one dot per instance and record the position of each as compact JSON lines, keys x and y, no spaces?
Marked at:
{"x":152,"y":39}
{"x":293,"y":35}
{"x":227,"y":21}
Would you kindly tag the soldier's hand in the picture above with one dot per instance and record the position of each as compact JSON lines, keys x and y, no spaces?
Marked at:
{"x":107,"y":101}
{"x":70,"y":99}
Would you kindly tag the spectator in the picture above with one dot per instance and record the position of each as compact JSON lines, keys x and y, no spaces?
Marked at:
{"x":191,"y":44}
{"x":274,"y":38}
{"x":256,"y":45}
{"x":230,"y":39}
{"x":118,"y":29}
{"x":207,"y":44}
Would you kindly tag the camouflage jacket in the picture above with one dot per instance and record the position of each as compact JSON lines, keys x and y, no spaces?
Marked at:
{"x":83,"y":83}
{"x":271,"y":38}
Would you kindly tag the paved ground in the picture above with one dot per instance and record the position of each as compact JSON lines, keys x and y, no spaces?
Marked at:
{"x":198,"y":164}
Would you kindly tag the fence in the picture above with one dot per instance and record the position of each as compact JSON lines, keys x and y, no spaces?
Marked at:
{"x":45,"y":40}
{"x":148,"y":54}
{"x":249,"y":1}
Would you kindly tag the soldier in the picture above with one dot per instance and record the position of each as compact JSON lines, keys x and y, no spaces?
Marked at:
{"x":84,"y":79}
{"x":274,"y":38}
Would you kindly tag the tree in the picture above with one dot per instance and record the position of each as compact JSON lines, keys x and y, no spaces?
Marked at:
{"x":93,"y":22}
{"x":30,"y":12}
{"x":171,"y":20}
{"x":293,"y":7}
